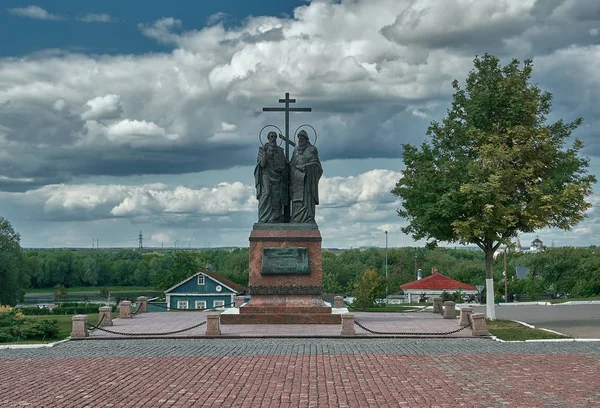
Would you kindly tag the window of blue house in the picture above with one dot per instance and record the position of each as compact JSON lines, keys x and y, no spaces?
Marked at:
{"x":200,"y":279}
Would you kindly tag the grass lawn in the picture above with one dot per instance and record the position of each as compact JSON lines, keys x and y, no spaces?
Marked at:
{"x":81,"y":289}
{"x":513,"y":331}
{"x":64,"y":324}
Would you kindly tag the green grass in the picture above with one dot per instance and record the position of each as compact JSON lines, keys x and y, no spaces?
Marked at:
{"x":513,"y":331}
{"x":87,"y":289}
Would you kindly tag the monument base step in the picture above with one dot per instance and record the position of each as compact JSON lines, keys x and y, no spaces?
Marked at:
{"x":280,"y":318}
{"x":285,"y":310}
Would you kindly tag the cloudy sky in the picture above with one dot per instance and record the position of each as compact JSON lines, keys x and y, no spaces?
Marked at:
{"x":117,"y":117}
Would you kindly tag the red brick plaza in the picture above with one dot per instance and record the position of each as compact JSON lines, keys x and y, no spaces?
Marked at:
{"x":302,"y":373}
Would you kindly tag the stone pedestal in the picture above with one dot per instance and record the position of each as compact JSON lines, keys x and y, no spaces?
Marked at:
{"x":239,"y":301}
{"x":348,"y":325}
{"x":479,"y":326}
{"x":79,"y":330}
{"x":105,"y":316}
{"x":449,"y":310}
{"x":438,"y":305}
{"x":213,"y":328}
{"x":281,"y":291}
{"x":125,"y":309}
{"x":142,"y":304}
{"x":465,"y":315}
{"x":338,"y":302}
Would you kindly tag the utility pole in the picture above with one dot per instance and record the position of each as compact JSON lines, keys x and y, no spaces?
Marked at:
{"x":386,"y":267}
{"x":505,"y":277}
{"x":140,"y":239}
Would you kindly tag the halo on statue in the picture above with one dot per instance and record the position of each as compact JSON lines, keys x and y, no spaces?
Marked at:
{"x":260,"y":134}
{"x":301,"y":126}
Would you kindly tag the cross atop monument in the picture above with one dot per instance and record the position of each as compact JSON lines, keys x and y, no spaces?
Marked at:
{"x":287,"y":111}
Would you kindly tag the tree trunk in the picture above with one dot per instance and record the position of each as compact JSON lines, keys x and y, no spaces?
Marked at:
{"x":490,"y":307}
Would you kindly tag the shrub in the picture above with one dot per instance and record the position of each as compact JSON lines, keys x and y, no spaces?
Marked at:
{"x":14,"y":329}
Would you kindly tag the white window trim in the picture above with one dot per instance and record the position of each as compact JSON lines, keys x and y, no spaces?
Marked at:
{"x":200,"y":304}
{"x":203,"y":280}
{"x":183,"y":302}
{"x":218,"y":303}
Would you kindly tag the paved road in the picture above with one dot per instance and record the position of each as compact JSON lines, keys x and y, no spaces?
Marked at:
{"x":582,"y":321}
{"x":302,"y":373}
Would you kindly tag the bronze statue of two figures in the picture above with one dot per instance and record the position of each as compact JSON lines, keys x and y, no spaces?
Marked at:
{"x":278,"y":182}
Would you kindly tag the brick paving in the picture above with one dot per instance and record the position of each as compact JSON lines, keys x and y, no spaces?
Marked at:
{"x":302,"y":373}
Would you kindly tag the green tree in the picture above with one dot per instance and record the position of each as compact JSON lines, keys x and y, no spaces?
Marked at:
{"x":60,"y":292}
{"x":13,"y":273}
{"x":369,"y":287}
{"x":494,"y":168}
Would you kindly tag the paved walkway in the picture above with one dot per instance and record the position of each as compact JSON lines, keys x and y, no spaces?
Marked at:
{"x":154,"y":324}
{"x":302,"y":373}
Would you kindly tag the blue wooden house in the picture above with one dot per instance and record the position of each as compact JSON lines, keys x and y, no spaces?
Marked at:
{"x":203,"y":290}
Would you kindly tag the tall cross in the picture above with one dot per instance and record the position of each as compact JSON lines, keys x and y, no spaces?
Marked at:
{"x":287,"y":111}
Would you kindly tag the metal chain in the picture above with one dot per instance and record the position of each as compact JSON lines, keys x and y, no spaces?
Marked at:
{"x":152,"y":334}
{"x":194,"y":310}
{"x":399,"y":311}
{"x":98,"y":325}
{"x":417,"y":333}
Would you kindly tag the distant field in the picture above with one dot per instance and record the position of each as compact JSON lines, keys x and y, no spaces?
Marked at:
{"x":81,"y":289}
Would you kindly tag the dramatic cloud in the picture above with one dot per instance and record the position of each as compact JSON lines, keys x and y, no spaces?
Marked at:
{"x":375,"y":73}
{"x":34,"y":12}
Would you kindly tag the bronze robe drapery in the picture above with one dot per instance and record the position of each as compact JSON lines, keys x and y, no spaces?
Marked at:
{"x":270,"y":177}
{"x":305,"y":172}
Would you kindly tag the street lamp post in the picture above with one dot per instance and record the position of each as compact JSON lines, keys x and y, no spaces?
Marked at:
{"x":479,"y":289}
{"x":386,"y":267}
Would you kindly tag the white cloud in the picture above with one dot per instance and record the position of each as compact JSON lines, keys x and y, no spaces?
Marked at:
{"x":34,"y":12}
{"x":161,"y":30}
{"x":103,"y":107}
{"x":95,"y":18}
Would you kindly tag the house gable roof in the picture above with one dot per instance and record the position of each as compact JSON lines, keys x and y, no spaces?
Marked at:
{"x":437,"y":281}
{"x":234,"y":287}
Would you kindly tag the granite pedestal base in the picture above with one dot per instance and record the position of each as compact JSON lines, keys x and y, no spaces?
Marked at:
{"x":284,"y":298}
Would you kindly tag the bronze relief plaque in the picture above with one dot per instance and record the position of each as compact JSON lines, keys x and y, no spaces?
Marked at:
{"x":285,"y":261}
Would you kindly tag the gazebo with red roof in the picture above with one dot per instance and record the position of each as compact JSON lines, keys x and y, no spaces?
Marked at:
{"x":434,"y":285}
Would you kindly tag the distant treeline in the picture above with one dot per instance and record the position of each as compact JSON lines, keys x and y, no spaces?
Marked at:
{"x":572,"y":271}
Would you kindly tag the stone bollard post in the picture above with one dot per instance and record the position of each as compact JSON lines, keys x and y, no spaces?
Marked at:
{"x":449,"y":310}
{"x":348,"y":325}
{"x":105,"y":317}
{"x":239,"y":301}
{"x":79,"y":330}
{"x":142,"y":304}
{"x":125,"y":309}
{"x":437,"y":305}
{"x":213,"y":327}
{"x":338,"y":302}
{"x":465,"y":314}
{"x":479,"y":326}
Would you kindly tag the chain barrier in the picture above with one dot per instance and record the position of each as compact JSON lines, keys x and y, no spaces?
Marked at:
{"x":194,"y":310}
{"x":90,"y":328}
{"x":398,"y":311}
{"x":469,"y":325}
{"x":152,"y":334}
{"x":137,"y":310}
